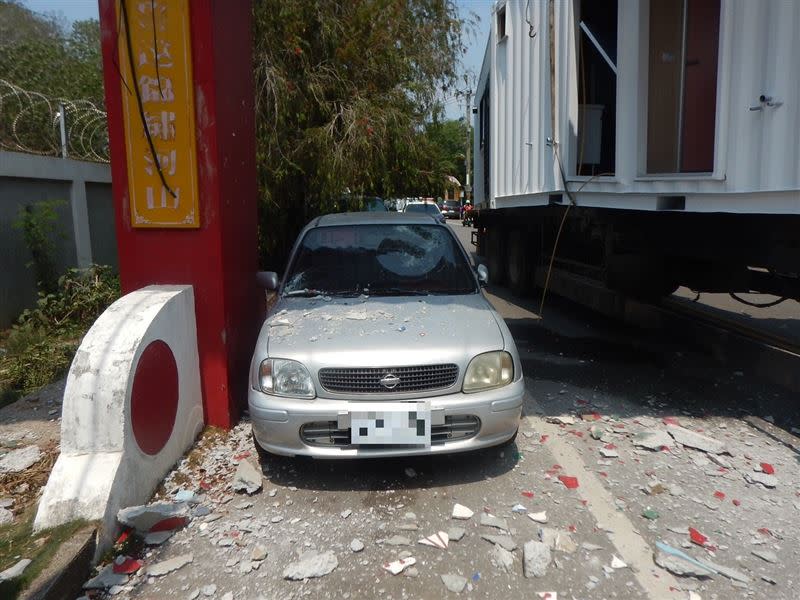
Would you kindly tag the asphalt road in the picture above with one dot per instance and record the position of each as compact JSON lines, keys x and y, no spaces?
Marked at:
{"x":600,"y":381}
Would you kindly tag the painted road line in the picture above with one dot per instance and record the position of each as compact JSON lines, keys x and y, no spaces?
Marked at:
{"x":632,"y":548}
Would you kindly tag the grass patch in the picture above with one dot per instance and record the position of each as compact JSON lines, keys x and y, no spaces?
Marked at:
{"x":18,"y":541}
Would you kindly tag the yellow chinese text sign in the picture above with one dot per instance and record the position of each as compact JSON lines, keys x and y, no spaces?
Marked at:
{"x":160,"y":67}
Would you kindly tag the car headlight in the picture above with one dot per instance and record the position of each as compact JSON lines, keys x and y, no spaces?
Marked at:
{"x":285,"y":378}
{"x":487,"y":371}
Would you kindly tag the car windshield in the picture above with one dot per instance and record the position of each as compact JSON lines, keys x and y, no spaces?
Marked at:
{"x":391,"y":260}
{"x":430,"y":209}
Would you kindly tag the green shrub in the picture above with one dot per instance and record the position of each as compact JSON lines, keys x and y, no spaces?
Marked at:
{"x":40,"y":347}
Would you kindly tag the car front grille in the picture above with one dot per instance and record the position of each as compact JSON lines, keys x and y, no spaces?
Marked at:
{"x":406,"y":379}
{"x":455,"y":429}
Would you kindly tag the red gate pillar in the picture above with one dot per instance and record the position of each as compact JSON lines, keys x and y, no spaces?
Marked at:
{"x":202,"y":53}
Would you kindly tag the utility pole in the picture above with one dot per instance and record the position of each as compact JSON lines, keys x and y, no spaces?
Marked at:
{"x":468,"y":162}
{"x":62,"y":121}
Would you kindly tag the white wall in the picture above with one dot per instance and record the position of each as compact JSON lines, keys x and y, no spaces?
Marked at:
{"x":757,"y":157}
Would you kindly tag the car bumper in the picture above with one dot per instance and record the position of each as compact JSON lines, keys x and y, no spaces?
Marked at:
{"x":277,"y":422}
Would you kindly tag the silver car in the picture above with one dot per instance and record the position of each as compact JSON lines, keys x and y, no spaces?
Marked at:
{"x":382,"y":344}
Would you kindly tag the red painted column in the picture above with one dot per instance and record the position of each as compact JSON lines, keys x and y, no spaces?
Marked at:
{"x":220,"y":257}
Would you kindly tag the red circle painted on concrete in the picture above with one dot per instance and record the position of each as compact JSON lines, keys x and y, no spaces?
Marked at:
{"x":154,"y":399}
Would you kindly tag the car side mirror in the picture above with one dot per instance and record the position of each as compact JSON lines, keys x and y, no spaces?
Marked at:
{"x":483,"y":275}
{"x":267,"y":280}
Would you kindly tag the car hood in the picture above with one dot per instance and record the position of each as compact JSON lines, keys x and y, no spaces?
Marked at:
{"x":380,"y":331}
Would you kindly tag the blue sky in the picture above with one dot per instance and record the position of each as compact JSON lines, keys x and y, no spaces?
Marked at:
{"x":75,"y":10}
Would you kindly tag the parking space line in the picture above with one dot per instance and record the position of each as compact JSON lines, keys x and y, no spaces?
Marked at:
{"x":630,"y":545}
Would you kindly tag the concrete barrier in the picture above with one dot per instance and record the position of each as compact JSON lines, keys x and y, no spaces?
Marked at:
{"x":132,"y":406}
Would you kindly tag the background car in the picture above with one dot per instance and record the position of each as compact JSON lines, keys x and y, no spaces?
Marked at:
{"x":428,"y":208}
{"x":451,"y":209}
{"x":382,"y":344}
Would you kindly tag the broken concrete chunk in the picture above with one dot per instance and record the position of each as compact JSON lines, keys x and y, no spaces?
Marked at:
{"x":501,"y":558}
{"x":6,"y":516}
{"x":605,"y":453}
{"x":461,"y":512}
{"x":437,"y":540}
{"x":20,"y":459}
{"x":456,"y":533}
{"x":617,"y":563}
{"x":247,"y":478}
{"x":504,"y":541}
{"x":557,"y":540}
{"x":346,"y":513}
{"x":398,"y":566}
{"x":169,"y":565}
{"x":398,"y":540}
{"x":454,"y":583}
{"x":17,"y":569}
{"x":105,"y":579}
{"x":538,"y":517}
{"x":691,"y":439}
{"x":356,"y":545}
{"x":311,"y":564}
{"x":536,"y":558}
{"x":769,"y":481}
{"x":488,"y":520}
{"x":653,"y":439}
{"x":143,"y":518}
{"x":680,"y":567}
{"x":766,"y":555}
{"x":157,"y":537}
{"x":561,"y":420}
{"x":259,"y":552}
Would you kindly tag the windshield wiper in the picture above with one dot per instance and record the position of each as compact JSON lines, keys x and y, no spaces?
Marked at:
{"x":307,"y":292}
{"x":395,"y":291}
{"x":313,"y":292}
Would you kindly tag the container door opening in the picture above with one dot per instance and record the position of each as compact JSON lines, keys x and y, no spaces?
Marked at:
{"x":682,"y":85}
{"x":597,"y":88}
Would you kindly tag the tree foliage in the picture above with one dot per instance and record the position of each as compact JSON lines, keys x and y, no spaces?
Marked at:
{"x":40,"y":54}
{"x":343,"y":93}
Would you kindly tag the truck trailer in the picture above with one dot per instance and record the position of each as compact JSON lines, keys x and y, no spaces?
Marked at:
{"x":647,"y":144}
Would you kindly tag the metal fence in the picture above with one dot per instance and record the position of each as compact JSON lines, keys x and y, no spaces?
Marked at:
{"x":38,"y":124}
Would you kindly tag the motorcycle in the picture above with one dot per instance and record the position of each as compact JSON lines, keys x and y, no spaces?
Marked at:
{"x":466,"y":216}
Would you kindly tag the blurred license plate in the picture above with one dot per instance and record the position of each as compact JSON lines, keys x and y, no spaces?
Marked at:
{"x":396,"y":423}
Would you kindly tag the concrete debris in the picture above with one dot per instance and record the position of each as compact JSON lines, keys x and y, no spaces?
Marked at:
{"x":247,"y":478}
{"x":6,"y":516}
{"x":679,"y":566}
{"x":346,"y":513}
{"x":157,"y":537}
{"x":6,"y":502}
{"x":547,"y":595}
{"x":501,"y":558}
{"x":245,"y":567}
{"x":561,"y":420}
{"x":653,"y":439}
{"x":144,"y":518}
{"x":398,"y":540}
{"x":536,"y":558}
{"x":20,"y":459}
{"x":504,"y":541}
{"x":605,"y":453}
{"x":518,"y":508}
{"x":538,"y":517}
{"x":766,"y":555}
{"x":456,"y":533}
{"x":311,"y":564}
{"x":454,"y":583}
{"x":276,"y":519}
{"x":437,"y":540}
{"x":227,"y":596}
{"x":728,"y":572}
{"x":258,"y":553}
{"x":16,"y":570}
{"x":691,"y":439}
{"x":461,"y":512}
{"x":557,"y":540}
{"x":356,"y":545}
{"x":209,"y":590}
{"x":105,"y":579}
{"x":590,"y":547}
{"x":488,"y":520}
{"x":169,"y":565}
{"x":398,"y":566}
{"x":769,"y":481}
{"x":617,"y":563}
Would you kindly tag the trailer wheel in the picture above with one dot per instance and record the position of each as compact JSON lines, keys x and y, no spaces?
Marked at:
{"x":521,"y":263}
{"x":496,"y":255}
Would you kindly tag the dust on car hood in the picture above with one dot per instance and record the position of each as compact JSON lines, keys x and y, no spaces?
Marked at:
{"x":381,"y":331}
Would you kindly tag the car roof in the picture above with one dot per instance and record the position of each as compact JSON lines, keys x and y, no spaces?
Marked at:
{"x":373,"y":218}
